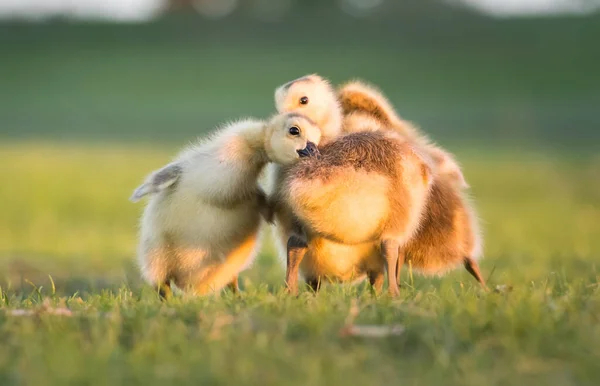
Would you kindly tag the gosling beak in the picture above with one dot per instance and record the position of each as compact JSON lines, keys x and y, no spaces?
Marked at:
{"x":310,"y":150}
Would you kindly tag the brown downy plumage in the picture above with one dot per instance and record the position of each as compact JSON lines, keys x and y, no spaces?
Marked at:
{"x":314,"y":97}
{"x":368,"y":187}
{"x":359,"y":101}
{"x":449,"y":234}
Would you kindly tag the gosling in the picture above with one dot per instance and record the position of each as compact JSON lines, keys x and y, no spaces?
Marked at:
{"x":368,"y":110}
{"x":200,"y":228}
{"x":314,"y":97}
{"x":364,"y":188}
{"x":449,"y":235}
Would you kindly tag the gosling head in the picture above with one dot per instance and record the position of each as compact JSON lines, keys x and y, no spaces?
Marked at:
{"x":290,"y":137}
{"x":313,"y":97}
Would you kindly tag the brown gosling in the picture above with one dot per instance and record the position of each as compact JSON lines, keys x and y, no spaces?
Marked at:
{"x":201,"y":225}
{"x":364,"y":188}
{"x":449,"y":235}
{"x":368,"y":110}
{"x":324,"y":259}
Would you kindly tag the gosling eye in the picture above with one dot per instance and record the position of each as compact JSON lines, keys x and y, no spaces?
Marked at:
{"x":304,"y":100}
{"x":294,"y":130}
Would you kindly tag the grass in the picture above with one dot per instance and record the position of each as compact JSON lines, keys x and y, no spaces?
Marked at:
{"x":67,"y":241}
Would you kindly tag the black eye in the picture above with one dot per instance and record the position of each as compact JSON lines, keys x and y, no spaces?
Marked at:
{"x":294,"y":130}
{"x":304,"y":100}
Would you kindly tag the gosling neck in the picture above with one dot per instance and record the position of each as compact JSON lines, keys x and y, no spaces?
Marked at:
{"x":254,"y":138}
{"x":332,"y":124}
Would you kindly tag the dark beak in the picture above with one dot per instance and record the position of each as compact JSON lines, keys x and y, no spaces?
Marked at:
{"x":310,"y":150}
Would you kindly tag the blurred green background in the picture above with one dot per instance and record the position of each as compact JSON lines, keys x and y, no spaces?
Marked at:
{"x":464,"y":77}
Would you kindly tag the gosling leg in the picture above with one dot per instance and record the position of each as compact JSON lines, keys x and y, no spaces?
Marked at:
{"x":376,"y":279}
{"x":390,"y":254}
{"x":296,"y":248}
{"x":473,"y":268}
{"x":399,"y":265}
{"x":234,"y":286}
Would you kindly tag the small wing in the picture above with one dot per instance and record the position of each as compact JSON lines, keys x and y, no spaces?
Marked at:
{"x":157,"y":181}
{"x":448,"y":166}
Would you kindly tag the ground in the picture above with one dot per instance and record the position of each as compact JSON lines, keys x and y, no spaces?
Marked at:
{"x":73,"y":309}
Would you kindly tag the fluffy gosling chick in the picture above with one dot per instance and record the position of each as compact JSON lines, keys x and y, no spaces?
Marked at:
{"x":200,"y":227}
{"x":366,"y":109}
{"x":449,"y":235}
{"x":368,"y":187}
{"x":315,"y":97}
